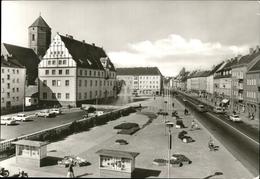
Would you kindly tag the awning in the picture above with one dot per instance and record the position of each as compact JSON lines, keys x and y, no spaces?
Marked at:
{"x":225,"y":100}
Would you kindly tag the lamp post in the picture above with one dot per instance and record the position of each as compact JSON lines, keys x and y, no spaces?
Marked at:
{"x":169,"y":125}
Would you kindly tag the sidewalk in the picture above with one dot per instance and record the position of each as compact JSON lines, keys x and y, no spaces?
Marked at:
{"x":254,"y":123}
{"x":151,"y":142}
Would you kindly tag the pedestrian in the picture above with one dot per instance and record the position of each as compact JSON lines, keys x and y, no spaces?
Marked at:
{"x":70,"y":173}
{"x":172,"y":105}
{"x":192,"y":124}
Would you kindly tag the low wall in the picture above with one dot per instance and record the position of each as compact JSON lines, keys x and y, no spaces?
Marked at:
{"x":6,"y":145}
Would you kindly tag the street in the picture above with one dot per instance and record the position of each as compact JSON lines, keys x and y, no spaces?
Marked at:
{"x":244,"y":149}
{"x":37,"y":124}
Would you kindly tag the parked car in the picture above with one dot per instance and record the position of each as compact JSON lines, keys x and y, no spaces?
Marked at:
{"x":96,"y":113}
{"x":7,"y":121}
{"x":56,"y":110}
{"x":45,"y":113}
{"x":234,"y":118}
{"x":201,"y":108}
{"x":20,"y":117}
{"x":218,"y":110}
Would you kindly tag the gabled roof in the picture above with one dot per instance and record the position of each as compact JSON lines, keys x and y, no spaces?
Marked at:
{"x":246,"y":59}
{"x":138,"y":71}
{"x":216,"y":68}
{"x":10,"y":62}
{"x":255,"y":68}
{"x":31,"y":90}
{"x":86,"y":55}
{"x":40,"y":22}
{"x":27,"y":58}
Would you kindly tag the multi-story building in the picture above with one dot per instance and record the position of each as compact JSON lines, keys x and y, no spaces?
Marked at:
{"x":222,"y":84}
{"x":39,"y":36}
{"x":141,"y":80}
{"x":73,"y":72}
{"x":12,"y":84}
{"x":239,"y":70}
{"x":198,"y":82}
{"x":26,"y":57}
{"x":210,"y":81}
{"x":252,"y":88}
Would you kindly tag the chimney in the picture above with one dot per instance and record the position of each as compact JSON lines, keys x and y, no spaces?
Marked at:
{"x":83,"y":41}
{"x":251,"y":51}
{"x":93,"y":44}
{"x":69,"y":36}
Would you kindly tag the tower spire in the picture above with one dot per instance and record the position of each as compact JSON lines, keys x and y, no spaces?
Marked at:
{"x":40,"y":13}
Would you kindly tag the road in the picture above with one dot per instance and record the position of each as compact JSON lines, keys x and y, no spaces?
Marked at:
{"x":37,"y":124}
{"x":243,"y":144}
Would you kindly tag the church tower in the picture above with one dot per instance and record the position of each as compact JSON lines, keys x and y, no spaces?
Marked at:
{"x":39,"y":36}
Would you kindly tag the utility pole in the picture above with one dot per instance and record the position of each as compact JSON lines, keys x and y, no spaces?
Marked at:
{"x":169,"y":125}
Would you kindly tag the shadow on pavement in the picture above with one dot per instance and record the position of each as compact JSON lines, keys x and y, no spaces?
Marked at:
{"x":49,"y":161}
{"x":85,"y":174}
{"x":215,"y":174}
{"x":144,"y":173}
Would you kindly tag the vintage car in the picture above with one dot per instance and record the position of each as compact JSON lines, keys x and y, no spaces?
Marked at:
{"x":7,"y":121}
{"x":218,"y":110}
{"x":45,"y":113}
{"x":56,"y":110}
{"x":234,"y":118}
{"x":20,"y":117}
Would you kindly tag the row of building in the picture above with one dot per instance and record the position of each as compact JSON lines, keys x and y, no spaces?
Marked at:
{"x":66,"y":72}
{"x":234,"y":83}
{"x":63,"y":71}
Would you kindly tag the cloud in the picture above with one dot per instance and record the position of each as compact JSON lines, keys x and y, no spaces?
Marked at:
{"x":174,"y":52}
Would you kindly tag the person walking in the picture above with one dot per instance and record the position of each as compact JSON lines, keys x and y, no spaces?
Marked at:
{"x":70,"y":173}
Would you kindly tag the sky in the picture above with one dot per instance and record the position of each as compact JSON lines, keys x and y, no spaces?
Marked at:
{"x":167,"y":34}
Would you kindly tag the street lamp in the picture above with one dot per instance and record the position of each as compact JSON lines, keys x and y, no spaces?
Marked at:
{"x":169,"y":125}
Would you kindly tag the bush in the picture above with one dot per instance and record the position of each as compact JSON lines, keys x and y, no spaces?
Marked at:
{"x":127,"y":125}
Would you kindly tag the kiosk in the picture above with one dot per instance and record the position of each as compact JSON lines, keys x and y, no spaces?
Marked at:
{"x":116,"y":163}
{"x":30,"y":153}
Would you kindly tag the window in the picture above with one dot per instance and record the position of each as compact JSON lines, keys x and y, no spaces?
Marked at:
{"x":8,"y":95}
{"x":53,"y":61}
{"x":89,"y":73}
{"x":46,"y":72}
{"x":13,"y":90}
{"x":13,"y":98}
{"x":64,"y":62}
{"x":33,"y":37}
{"x":67,"y":72}
{"x":8,"y":77}
{"x":8,"y":85}
{"x":79,"y":95}
{"x":67,"y":82}
{"x":3,"y":80}
{"x":67,"y":96}
{"x":86,"y":72}
{"x":96,"y":83}
{"x":80,"y":72}
{"x":94,"y":73}
{"x":17,"y":89}
{"x":86,"y":82}
{"x":100,"y":83}
{"x":53,"y":72}
{"x":44,"y":83}
{"x":60,"y":72}
{"x":98,"y":73}
{"x":53,"y":95}
{"x":58,"y":82}
{"x":90,"y":82}
{"x":90,"y":94}
{"x":85,"y":95}
{"x":49,"y":62}
{"x":79,"y":82}
{"x":13,"y":71}
{"x":60,"y":62}
{"x":95,"y":93}
{"x":59,"y":95}
{"x":44,"y":95}
{"x":2,"y":100}
{"x":3,"y":70}
{"x":13,"y":80}
{"x":53,"y":82}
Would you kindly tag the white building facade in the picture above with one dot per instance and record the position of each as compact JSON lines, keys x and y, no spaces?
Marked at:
{"x":74,"y":72}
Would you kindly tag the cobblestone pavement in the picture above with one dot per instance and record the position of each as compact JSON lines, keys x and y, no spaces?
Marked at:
{"x":151,"y":142}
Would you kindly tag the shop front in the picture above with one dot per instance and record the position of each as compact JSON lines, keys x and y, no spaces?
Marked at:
{"x":116,"y":164}
{"x":30,"y":153}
